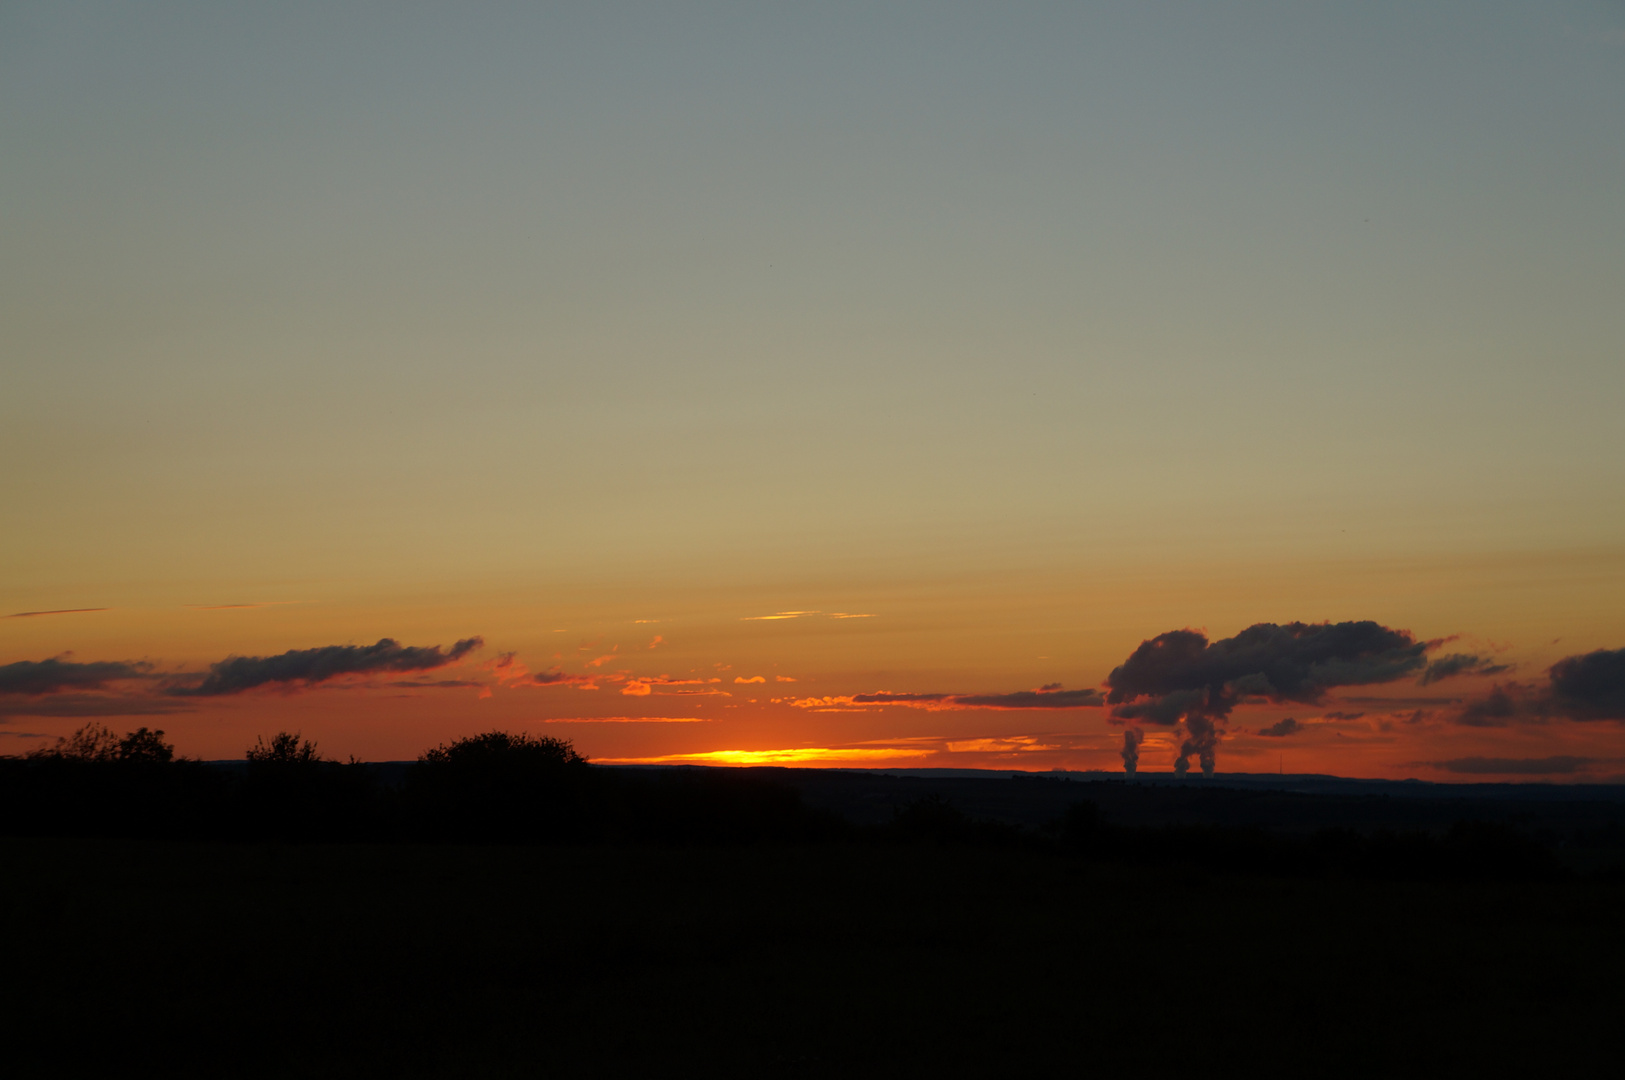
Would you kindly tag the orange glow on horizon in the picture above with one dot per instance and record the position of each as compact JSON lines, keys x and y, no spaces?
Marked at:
{"x":815,"y":756}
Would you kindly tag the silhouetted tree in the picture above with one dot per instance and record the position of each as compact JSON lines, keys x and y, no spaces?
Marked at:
{"x":93,"y":742}
{"x":283,"y":749}
{"x":145,"y":747}
{"x":501,"y":786}
{"x":502,"y":750}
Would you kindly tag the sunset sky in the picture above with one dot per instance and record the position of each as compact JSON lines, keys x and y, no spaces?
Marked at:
{"x":720,"y":366}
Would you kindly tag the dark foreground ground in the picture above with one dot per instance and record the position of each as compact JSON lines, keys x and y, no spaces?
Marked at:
{"x":844,"y":959}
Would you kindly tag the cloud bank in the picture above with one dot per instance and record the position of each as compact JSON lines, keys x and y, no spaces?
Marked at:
{"x":307,"y":667}
{"x":1590,"y":687}
{"x":1180,"y":675}
{"x":36,"y":677}
{"x":1585,"y":687}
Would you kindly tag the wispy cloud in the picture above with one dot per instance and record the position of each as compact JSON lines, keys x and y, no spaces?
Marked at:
{"x":1047,"y":697}
{"x":628,"y":720}
{"x":1456,"y":664}
{"x":1281,"y":728}
{"x":643,"y":685}
{"x":234,"y":607}
{"x":560,"y":678}
{"x":56,"y":611}
{"x":777,"y":615}
{"x":87,"y":705}
{"x":1008,"y":744}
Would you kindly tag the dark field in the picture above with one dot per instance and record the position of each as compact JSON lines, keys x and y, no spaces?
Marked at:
{"x":849,"y":958}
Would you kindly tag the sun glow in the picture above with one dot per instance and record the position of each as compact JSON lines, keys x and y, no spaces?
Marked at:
{"x":816,"y":755}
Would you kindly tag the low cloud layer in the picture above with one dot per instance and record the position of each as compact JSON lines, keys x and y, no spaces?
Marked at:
{"x":90,"y":704}
{"x":1048,"y":697}
{"x":307,"y":667}
{"x":1282,"y":728}
{"x":37,"y":677}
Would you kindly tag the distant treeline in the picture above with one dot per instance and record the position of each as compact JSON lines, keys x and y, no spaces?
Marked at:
{"x":517,"y":789}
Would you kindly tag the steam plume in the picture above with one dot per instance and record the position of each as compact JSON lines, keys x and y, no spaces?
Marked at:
{"x":1131,"y":750}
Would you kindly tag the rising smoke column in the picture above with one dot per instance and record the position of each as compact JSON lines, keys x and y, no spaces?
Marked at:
{"x":1201,"y":739}
{"x":1131,"y":750}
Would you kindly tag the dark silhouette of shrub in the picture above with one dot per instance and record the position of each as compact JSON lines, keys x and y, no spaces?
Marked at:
{"x":92,"y":743}
{"x":95,"y":783}
{"x":145,"y":747}
{"x":283,"y":750}
{"x":500,"y":786}
{"x":502,"y":751}
{"x":290,"y":792}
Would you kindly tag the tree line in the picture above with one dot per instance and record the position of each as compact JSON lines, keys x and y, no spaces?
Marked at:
{"x":502,"y":787}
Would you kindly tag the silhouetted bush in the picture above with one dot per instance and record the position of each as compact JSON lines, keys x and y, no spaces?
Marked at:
{"x":145,"y":747}
{"x":95,"y":783}
{"x":501,"y":787}
{"x":289,"y":792}
{"x":283,"y":751}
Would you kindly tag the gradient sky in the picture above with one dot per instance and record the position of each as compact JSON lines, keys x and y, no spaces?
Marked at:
{"x":1025,"y":331}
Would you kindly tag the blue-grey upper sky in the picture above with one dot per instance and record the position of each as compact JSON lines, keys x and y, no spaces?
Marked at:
{"x":336,"y":289}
